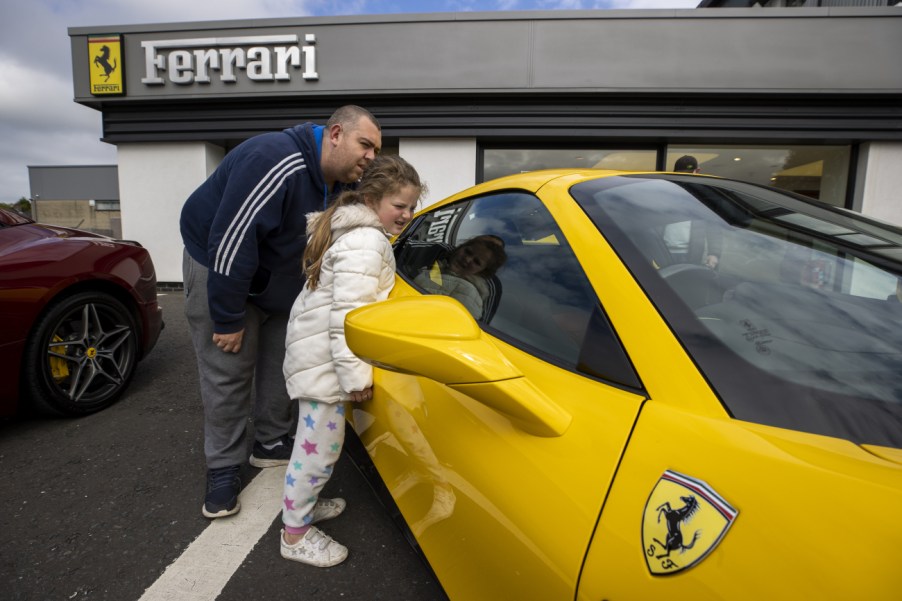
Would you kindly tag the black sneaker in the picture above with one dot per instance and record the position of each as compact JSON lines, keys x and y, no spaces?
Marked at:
{"x":274,"y":457}
{"x":223,"y":486}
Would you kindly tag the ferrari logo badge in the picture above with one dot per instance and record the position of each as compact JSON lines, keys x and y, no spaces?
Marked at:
{"x":105,"y":53}
{"x":684,"y":520}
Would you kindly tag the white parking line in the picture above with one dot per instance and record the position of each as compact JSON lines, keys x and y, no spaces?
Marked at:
{"x":201,"y":572}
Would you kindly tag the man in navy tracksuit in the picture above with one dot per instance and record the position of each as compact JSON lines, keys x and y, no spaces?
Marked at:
{"x":244,"y":231}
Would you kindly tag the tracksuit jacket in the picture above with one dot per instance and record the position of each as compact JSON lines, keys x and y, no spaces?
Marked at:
{"x":247,"y":222}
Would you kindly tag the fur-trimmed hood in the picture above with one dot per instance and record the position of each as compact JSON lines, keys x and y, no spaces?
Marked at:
{"x":348,"y":217}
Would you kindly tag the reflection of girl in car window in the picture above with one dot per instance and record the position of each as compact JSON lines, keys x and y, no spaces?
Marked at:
{"x":463,"y":273}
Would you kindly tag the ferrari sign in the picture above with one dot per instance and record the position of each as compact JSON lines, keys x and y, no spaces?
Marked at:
{"x":203,"y":60}
{"x":684,"y":520}
{"x":106,"y":65}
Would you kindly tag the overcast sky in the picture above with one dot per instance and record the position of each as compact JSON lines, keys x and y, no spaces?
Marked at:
{"x":41,"y":125}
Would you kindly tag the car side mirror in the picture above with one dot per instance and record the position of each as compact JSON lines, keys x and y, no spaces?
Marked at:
{"x":435,"y":337}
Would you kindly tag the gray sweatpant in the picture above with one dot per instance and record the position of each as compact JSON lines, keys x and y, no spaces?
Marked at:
{"x":236,"y":386}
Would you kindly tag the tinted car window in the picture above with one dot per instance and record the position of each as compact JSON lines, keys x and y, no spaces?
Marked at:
{"x":537,"y":298}
{"x":799,"y":325}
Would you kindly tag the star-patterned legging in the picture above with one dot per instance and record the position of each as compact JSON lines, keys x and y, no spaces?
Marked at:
{"x":317,"y":445}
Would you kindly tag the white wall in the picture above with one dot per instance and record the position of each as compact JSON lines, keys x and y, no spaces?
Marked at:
{"x":154,"y":181}
{"x":156,"y":178}
{"x":880,"y":180}
{"x":446,"y":165}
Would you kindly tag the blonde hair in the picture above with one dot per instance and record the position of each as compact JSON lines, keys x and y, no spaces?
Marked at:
{"x":385,"y":175}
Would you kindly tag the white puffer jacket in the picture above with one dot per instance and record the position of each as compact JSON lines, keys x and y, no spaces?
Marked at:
{"x":358,"y":269}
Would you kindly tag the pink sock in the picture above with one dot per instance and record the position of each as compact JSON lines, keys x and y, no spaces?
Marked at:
{"x":296,"y":529}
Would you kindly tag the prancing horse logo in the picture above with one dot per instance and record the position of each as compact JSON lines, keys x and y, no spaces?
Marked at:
{"x":675,"y":501}
{"x":674,"y":534}
{"x":102,"y":60}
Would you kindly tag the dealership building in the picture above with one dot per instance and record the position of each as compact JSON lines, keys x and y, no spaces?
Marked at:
{"x":806,"y":99}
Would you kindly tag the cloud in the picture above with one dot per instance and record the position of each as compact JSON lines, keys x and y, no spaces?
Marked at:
{"x":40,"y":124}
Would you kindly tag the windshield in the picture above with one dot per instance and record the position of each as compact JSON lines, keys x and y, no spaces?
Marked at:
{"x":792,"y":310}
{"x":10,"y":218}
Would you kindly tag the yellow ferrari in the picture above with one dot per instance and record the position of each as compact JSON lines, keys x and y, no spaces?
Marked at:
{"x":602,"y":385}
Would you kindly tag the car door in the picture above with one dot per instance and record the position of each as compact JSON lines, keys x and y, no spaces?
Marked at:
{"x":773,"y":498}
{"x":499,"y":443}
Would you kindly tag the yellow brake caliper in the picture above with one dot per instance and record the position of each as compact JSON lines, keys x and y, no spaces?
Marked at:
{"x":58,"y":367}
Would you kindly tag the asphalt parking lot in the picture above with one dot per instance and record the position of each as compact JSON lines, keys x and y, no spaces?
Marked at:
{"x":99,"y":507}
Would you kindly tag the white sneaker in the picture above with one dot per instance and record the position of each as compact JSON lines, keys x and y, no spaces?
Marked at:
{"x":315,"y":549}
{"x":326,"y":509}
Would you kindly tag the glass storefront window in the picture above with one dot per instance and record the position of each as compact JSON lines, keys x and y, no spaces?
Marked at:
{"x":821,"y":172}
{"x":498,"y":162}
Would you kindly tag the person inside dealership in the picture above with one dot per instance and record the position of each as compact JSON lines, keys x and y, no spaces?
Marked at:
{"x":244,"y":231}
{"x":693,"y":241}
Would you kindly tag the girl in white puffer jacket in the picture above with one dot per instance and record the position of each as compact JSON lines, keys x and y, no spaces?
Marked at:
{"x":348,"y":263}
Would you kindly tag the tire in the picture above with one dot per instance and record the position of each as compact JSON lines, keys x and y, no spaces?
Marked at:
{"x":93,"y":358}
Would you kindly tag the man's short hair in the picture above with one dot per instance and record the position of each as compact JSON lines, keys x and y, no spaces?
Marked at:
{"x":686,"y":163}
{"x":349,"y":115}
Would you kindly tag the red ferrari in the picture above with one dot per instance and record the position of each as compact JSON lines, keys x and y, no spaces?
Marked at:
{"x":77,"y":312}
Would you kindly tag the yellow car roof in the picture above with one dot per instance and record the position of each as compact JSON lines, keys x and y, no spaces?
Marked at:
{"x":532,"y":181}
